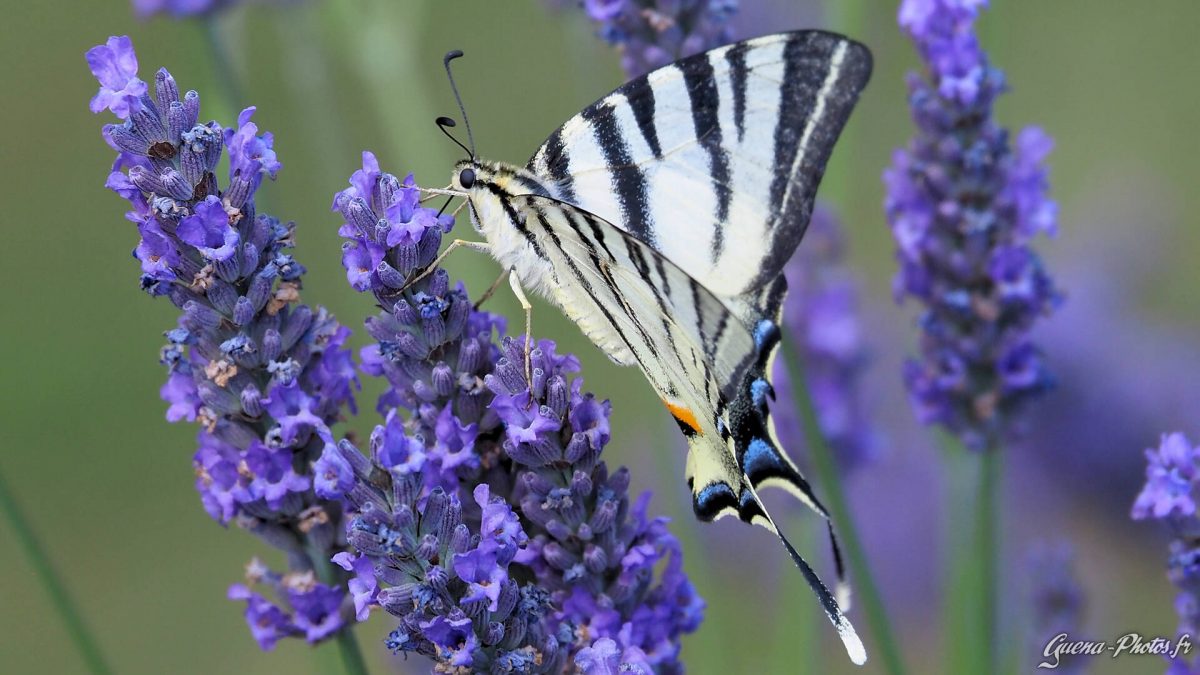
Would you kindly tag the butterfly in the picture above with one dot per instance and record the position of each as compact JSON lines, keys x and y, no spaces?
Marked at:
{"x":659,"y":219}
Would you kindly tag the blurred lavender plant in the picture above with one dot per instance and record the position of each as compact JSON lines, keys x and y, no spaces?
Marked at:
{"x":963,"y":207}
{"x":1169,"y":496}
{"x":822,"y":315}
{"x":263,"y":375}
{"x":544,"y":565}
{"x":653,"y":33}
{"x":179,"y":9}
{"x":1057,"y":602}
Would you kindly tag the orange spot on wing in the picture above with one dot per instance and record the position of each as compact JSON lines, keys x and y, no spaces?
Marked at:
{"x":684,"y":415}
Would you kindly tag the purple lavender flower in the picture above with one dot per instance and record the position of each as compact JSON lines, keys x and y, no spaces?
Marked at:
{"x":821,"y":314}
{"x":264,"y":375}
{"x":653,"y":33}
{"x":115,"y":65}
{"x":496,"y":535}
{"x":1172,"y":473}
{"x":306,"y":607}
{"x":1171,"y":477}
{"x":963,"y":207}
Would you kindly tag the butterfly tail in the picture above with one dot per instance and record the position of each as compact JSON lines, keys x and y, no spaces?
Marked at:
{"x":754,"y":512}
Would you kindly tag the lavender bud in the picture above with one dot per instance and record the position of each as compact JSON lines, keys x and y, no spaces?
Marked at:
{"x":557,"y":556}
{"x":175,"y":185}
{"x":390,"y":276}
{"x":405,"y":259}
{"x":442,"y":379}
{"x":397,"y":600}
{"x":405,"y":313}
{"x":199,"y":317}
{"x":460,"y":541}
{"x":558,"y":530}
{"x":298,"y":322}
{"x":493,"y":634}
{"x":361,"y":465}
{"x":581,"y":485}
{"x":428,"y":548}
{"x":260,"y":287}
{"x":272,"y":345}
{"x":558,"y":394}
{"x":470,"y":357}
{"x":243,"y":311}
{"x":595,"y":559}
{"x":435,"y":507}
{"x":252,"y":401}
{"x":230,"y":269}
{"x":222,"y":296}
{"x":603,"y":517}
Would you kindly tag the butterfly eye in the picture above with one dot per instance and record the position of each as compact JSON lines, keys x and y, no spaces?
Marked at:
{"x":467,"y":178}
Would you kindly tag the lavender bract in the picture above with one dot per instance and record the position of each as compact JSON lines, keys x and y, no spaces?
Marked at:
{"x":264,"y":375}
{"x":652,"y":33}
{"x":485,"y":520}
{"x":963,"y":206}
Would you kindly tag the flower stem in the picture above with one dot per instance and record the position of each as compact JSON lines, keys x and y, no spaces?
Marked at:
{"x":970,"y":609}
{"x":226,"y":74}
{"x":352,"y":658}
{"x":829,"y":479}
{"x":89,"y":651}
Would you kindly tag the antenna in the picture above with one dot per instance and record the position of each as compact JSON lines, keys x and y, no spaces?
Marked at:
{"x":444,"y":123}
{"x":450,"y":56}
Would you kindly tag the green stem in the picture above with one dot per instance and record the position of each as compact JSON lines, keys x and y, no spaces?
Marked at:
{"x":226,"y":75}
{"x":970,"y":609}
{"x":825,"y":468}
{"x":352,"y":658}
{"x":89,"y":651}
{"x":986,"y":543}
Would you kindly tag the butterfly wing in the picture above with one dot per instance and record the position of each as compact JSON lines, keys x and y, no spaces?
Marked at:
{"x":714,"y":160}
{"x":702,"y":360}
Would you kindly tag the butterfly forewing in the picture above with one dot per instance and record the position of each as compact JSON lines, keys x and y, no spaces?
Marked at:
{"x":714,"y":160}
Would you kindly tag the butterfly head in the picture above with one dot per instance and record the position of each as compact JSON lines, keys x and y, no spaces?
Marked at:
{"x":466,"y":175}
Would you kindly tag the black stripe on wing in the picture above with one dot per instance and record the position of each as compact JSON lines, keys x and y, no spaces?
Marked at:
{"x":628,"y":181}
{"x":701,"y":86}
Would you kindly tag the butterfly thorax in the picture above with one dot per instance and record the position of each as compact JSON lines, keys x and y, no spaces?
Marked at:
{"x":498,"y":216}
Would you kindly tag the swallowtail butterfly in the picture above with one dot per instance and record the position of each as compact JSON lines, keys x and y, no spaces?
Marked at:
{"x":659,"y":220}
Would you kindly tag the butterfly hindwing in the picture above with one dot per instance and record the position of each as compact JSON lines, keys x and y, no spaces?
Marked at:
{"x":714,"y":160}
{"x":709,"y":365}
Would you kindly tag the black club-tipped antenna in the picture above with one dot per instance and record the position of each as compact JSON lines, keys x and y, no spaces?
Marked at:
{"x":450,"y":56}
{"x":445,"y":123}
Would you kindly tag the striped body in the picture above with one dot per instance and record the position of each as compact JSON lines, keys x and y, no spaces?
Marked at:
{"x":659,"y":220}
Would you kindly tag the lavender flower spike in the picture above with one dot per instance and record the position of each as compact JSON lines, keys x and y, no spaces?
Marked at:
{"x":964,"y":206}
{"x":264,"y":375}
{"x":650,"y":34}
{"x":485,"y":520}
{"x":1168,"y":496}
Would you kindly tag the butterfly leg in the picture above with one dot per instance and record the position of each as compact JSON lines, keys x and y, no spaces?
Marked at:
{"x":491,"y":290}
{"x":528,"y":308}
{"x":457,"y":243}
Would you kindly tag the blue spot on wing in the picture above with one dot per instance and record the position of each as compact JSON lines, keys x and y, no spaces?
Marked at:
{"x":760,"y":457}
{"x":712,"y":499}
{"x":766,"y":333}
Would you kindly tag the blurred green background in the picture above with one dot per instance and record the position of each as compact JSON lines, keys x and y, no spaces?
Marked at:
{"x":107,"y":481}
